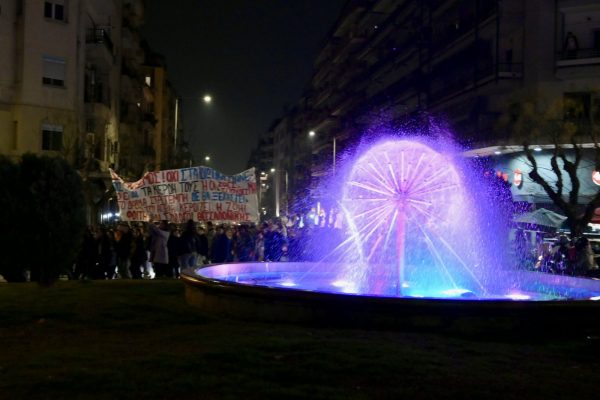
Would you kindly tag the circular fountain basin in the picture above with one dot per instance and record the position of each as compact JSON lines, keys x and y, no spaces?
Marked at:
{"x":314,"y":293}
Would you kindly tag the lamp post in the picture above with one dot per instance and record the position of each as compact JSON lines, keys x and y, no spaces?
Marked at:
{"x":206,"y":100}
{"x":312,"y":134}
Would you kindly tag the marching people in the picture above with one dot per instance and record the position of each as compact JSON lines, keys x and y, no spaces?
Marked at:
{"x":210,"y":236}
{"x":175,"y":248}
{"x":123,"y":241}
{"x":189,"y":245}
{"x":139,"y":255}
{"x":259,"y":247}
{"x":223,"y":246}
{"x":107,"y":258}
{"x":88,"y":256}
{"x":159,"y":252}
{"x":244,"y":245}
{"x":274,"y":242}
{"x":202,"y":247}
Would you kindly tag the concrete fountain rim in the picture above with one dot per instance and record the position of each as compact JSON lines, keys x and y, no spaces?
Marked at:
{"x":270,"y":304}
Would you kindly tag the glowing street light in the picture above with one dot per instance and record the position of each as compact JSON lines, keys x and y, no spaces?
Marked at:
{"x":311,"y":134}
{"x":272,"y":169}
{"x":207,"y":158}
{"x":207,"y":99}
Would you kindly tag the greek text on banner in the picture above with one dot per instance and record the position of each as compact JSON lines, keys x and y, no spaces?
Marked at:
{"x":197,"y":193}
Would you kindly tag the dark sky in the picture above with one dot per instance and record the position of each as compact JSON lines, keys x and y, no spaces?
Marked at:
{"x":252,"y":56}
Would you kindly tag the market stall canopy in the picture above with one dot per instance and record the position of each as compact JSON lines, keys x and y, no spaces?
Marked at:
{"x":542,"y":217}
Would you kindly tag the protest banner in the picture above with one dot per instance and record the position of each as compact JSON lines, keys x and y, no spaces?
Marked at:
{"x":197,"y":193}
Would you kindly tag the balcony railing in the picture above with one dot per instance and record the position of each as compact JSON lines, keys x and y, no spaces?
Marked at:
{"x":510,"y":70}
{"x":578,"y":57}
{"x":99,"y":36}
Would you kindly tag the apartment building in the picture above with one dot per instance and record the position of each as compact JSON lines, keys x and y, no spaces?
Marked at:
{"x":466,"y":62}
{"x":74,"y":83}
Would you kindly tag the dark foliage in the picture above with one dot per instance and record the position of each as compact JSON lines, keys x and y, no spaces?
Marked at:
{"x":44,"y":210}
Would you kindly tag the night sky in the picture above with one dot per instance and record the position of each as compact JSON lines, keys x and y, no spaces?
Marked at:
{"x":253,"y":57}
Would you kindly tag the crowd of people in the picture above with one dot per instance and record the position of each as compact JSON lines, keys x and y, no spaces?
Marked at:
{"x":147,"y":250}
{"x":557,"y":255}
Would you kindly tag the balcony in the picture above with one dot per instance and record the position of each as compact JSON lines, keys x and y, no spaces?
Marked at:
{"x":99,"y":36}
{"x":99,"y":46}
{"x":580,"y":57}
{"x":582,"y":63}
{"x":97,"y":93}
{"x":510,"y":70}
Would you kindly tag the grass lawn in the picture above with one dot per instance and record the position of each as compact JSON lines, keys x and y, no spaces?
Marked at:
{"x":139,"y":339}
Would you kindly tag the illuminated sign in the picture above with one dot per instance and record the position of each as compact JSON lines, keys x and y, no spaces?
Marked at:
{"x":518,"y":177}
{"x":596,"y":177}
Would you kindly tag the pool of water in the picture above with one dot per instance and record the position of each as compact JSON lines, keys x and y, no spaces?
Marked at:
{"x":326,"y":278}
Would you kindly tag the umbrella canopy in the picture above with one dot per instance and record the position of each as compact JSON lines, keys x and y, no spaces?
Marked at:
{"x":542,"y":217}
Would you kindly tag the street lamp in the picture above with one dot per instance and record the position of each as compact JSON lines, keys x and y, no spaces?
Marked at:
{"x":207,"y":99}
{"x":207,"y":158}
{"x":312,"y":134}
{"x":272,"y":169}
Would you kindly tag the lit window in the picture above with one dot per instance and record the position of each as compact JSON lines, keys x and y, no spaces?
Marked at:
{"x":52,"y":137}
{"x":54,"y":71}
{"x":55,"y":10}
{"x":148,"y":80}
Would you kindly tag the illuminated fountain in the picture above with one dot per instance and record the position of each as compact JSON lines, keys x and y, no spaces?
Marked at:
{"x":419,"y":252}
{"x":408,"y":214}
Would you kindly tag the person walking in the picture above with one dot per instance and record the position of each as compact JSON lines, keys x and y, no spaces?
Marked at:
{"x":88,"y":256}
{"x":123,"y":245}
{"x":159,"y":252}
{"x":107,"y":258}
{"x":210,"y":236}
{"x":139,"y":255}
{"x":189,"y":245}
{"x":223,"y":250}
{"x":202,"y":247}
{"x":175,"y":247}
{"x":244,"y":245}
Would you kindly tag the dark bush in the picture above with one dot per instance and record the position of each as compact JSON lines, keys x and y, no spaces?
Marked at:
{"x":12,"y":211}
{"x":45,"y":208}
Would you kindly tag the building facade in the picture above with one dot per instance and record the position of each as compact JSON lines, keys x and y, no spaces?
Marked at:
{"x":467,"y":63}
{"x":73,"y":84}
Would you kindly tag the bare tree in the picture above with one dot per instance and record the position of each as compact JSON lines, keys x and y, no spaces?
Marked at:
{"x":567,"y":127}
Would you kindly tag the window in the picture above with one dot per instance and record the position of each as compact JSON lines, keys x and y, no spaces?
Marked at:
{"x":54,"y":71}
{"x":55,"y":10}
{"x":148,"y":80}
{"x":52,"y":137}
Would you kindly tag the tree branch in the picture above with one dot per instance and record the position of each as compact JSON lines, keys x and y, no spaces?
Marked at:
{"x":558,"y":172}
{"x":537,"y":178}
{"x":571,"y":168}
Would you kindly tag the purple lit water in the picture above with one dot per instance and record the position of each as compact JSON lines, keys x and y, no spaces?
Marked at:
{"x":419,"y":224}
